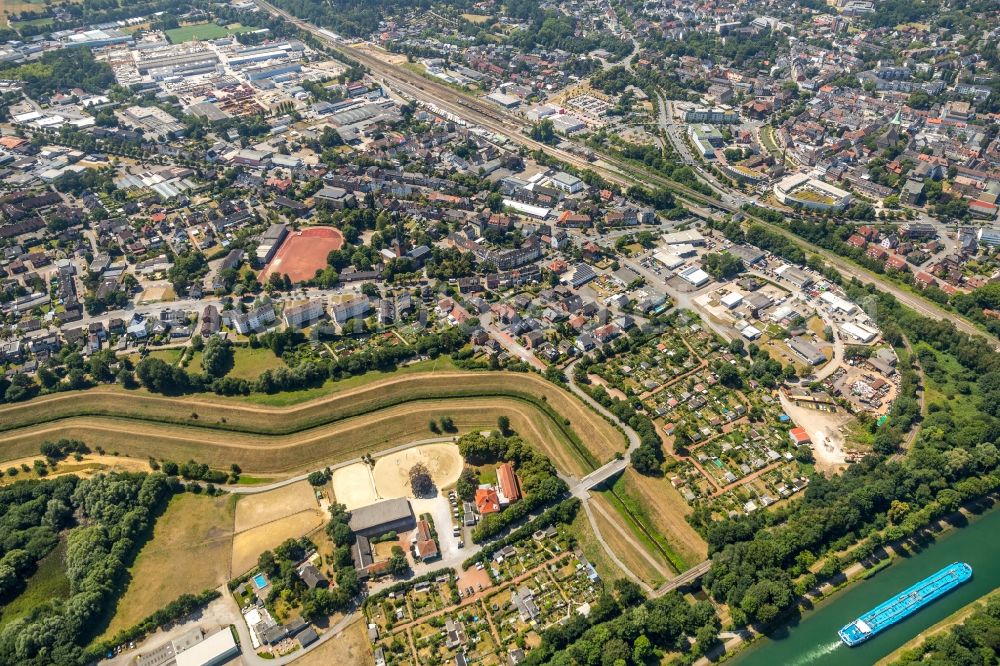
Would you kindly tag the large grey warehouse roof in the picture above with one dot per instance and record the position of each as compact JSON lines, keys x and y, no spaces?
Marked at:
{"x":380,"y":513}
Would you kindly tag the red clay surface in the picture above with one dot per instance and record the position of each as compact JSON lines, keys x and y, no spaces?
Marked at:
{"x":303,"y":253}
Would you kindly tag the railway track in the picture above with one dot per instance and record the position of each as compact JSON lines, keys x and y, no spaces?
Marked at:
{"x":616,"y":171}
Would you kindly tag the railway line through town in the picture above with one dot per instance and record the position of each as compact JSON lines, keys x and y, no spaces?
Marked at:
{"x":612,"y":169}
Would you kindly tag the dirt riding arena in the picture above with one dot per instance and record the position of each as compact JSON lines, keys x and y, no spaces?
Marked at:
{"x":353,"y":486}
{"x":391,"y":472}
{"x":359,"y":485}
{"x":266,"y":519}
{"x":303,"y":253}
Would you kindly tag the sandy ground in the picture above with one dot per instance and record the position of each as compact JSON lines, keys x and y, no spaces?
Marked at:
{"x":351,"y":646}
{"x":392,"y":471}
{"x":259,"y":509}
{"x":92,"y":463}
{"x":612,"y":391}
{"x":156,"y":292}
{"x":824,"y":431}
{"x":353,"y":486}
{"x":381,"y":54}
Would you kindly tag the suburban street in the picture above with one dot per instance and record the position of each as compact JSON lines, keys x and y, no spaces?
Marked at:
{"x":492,"y":118}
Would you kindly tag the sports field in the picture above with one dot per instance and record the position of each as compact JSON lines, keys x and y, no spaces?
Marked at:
{"x":303,"y":253}
{"x":203,"y":31}
{"x":346,"y":424}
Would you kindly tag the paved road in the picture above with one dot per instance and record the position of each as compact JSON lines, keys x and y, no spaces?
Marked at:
{"x":511,"y":127}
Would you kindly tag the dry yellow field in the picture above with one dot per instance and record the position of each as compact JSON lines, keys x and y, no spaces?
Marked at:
{"x":247,"y":546}
{"x":626,"y":552}
{"x":189,"y":552}
{"x":337,"y":427}
{"x":666,"y":511}
{"x":351,"y":646}
{"x":263,"y":508}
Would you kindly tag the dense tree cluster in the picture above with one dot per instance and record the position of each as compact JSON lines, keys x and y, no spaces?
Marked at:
{"x":31,"y":516}
{"x":61,"y":70}
{"x":722,"y":265}
{"x":318,"y":603}
{"x":540,"y":483}
{"x":622,"y":629}
{"x":217,"y":358}
{"x":187,"y":268}
{"x":115,"y":513}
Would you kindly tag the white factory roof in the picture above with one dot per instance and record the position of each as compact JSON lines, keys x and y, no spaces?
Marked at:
{"x":695,"y":276}
{"x":539,"y":212}
{"x":837,"y":303}
{"x":668,"y":259}
{"x":213,"y":650}
{"x":859,"y":332}
{"x":732,"y":299}
{"x":690,"y":237}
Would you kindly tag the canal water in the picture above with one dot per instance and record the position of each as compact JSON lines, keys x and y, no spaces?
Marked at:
{"x":812,"y":639}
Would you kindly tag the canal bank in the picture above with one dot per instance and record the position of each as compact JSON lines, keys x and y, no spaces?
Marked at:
{"x":812,"y":639}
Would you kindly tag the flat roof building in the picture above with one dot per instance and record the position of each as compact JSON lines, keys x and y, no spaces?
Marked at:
{"x":218,"y":648}
{"x":385,"y":516}
{"x":695,"y":276}
{"x":806,"y":350}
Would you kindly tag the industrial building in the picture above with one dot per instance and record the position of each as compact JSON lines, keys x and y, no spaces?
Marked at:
{"x":392,"y":515}
{"x":807,"y":351}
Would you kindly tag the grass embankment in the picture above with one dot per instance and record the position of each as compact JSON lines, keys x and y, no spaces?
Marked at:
{"x":634,"y":516}
{"x":593,"y":549}
{"x":267,"y":440}
{"x":610,"y":526}
{"x":955,"y":618}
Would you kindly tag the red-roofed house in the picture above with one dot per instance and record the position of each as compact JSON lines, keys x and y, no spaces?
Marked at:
{"x":925,"y":280}
{"x":868,"y":232}
{"x":487,"y":501}
{"x":799,"y":436}
{"x":896,"y":263}
{"x":877,"y":252}
{"x":510,"y":489}
{"x":424,"y":546}
{"x":857,"y":241}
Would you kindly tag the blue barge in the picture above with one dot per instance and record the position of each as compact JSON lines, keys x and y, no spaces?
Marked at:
{"x":906,"y":603}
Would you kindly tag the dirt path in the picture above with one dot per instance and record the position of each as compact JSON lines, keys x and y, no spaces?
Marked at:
{"x":911,"y":436}
{"x":626,"y":534}
{"x":595,"y":526}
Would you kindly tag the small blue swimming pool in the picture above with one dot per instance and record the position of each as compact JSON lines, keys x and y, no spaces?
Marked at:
{"x":260,"y":580}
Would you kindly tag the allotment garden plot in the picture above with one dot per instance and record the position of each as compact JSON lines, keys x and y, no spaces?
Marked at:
{"x":728,"y":435}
